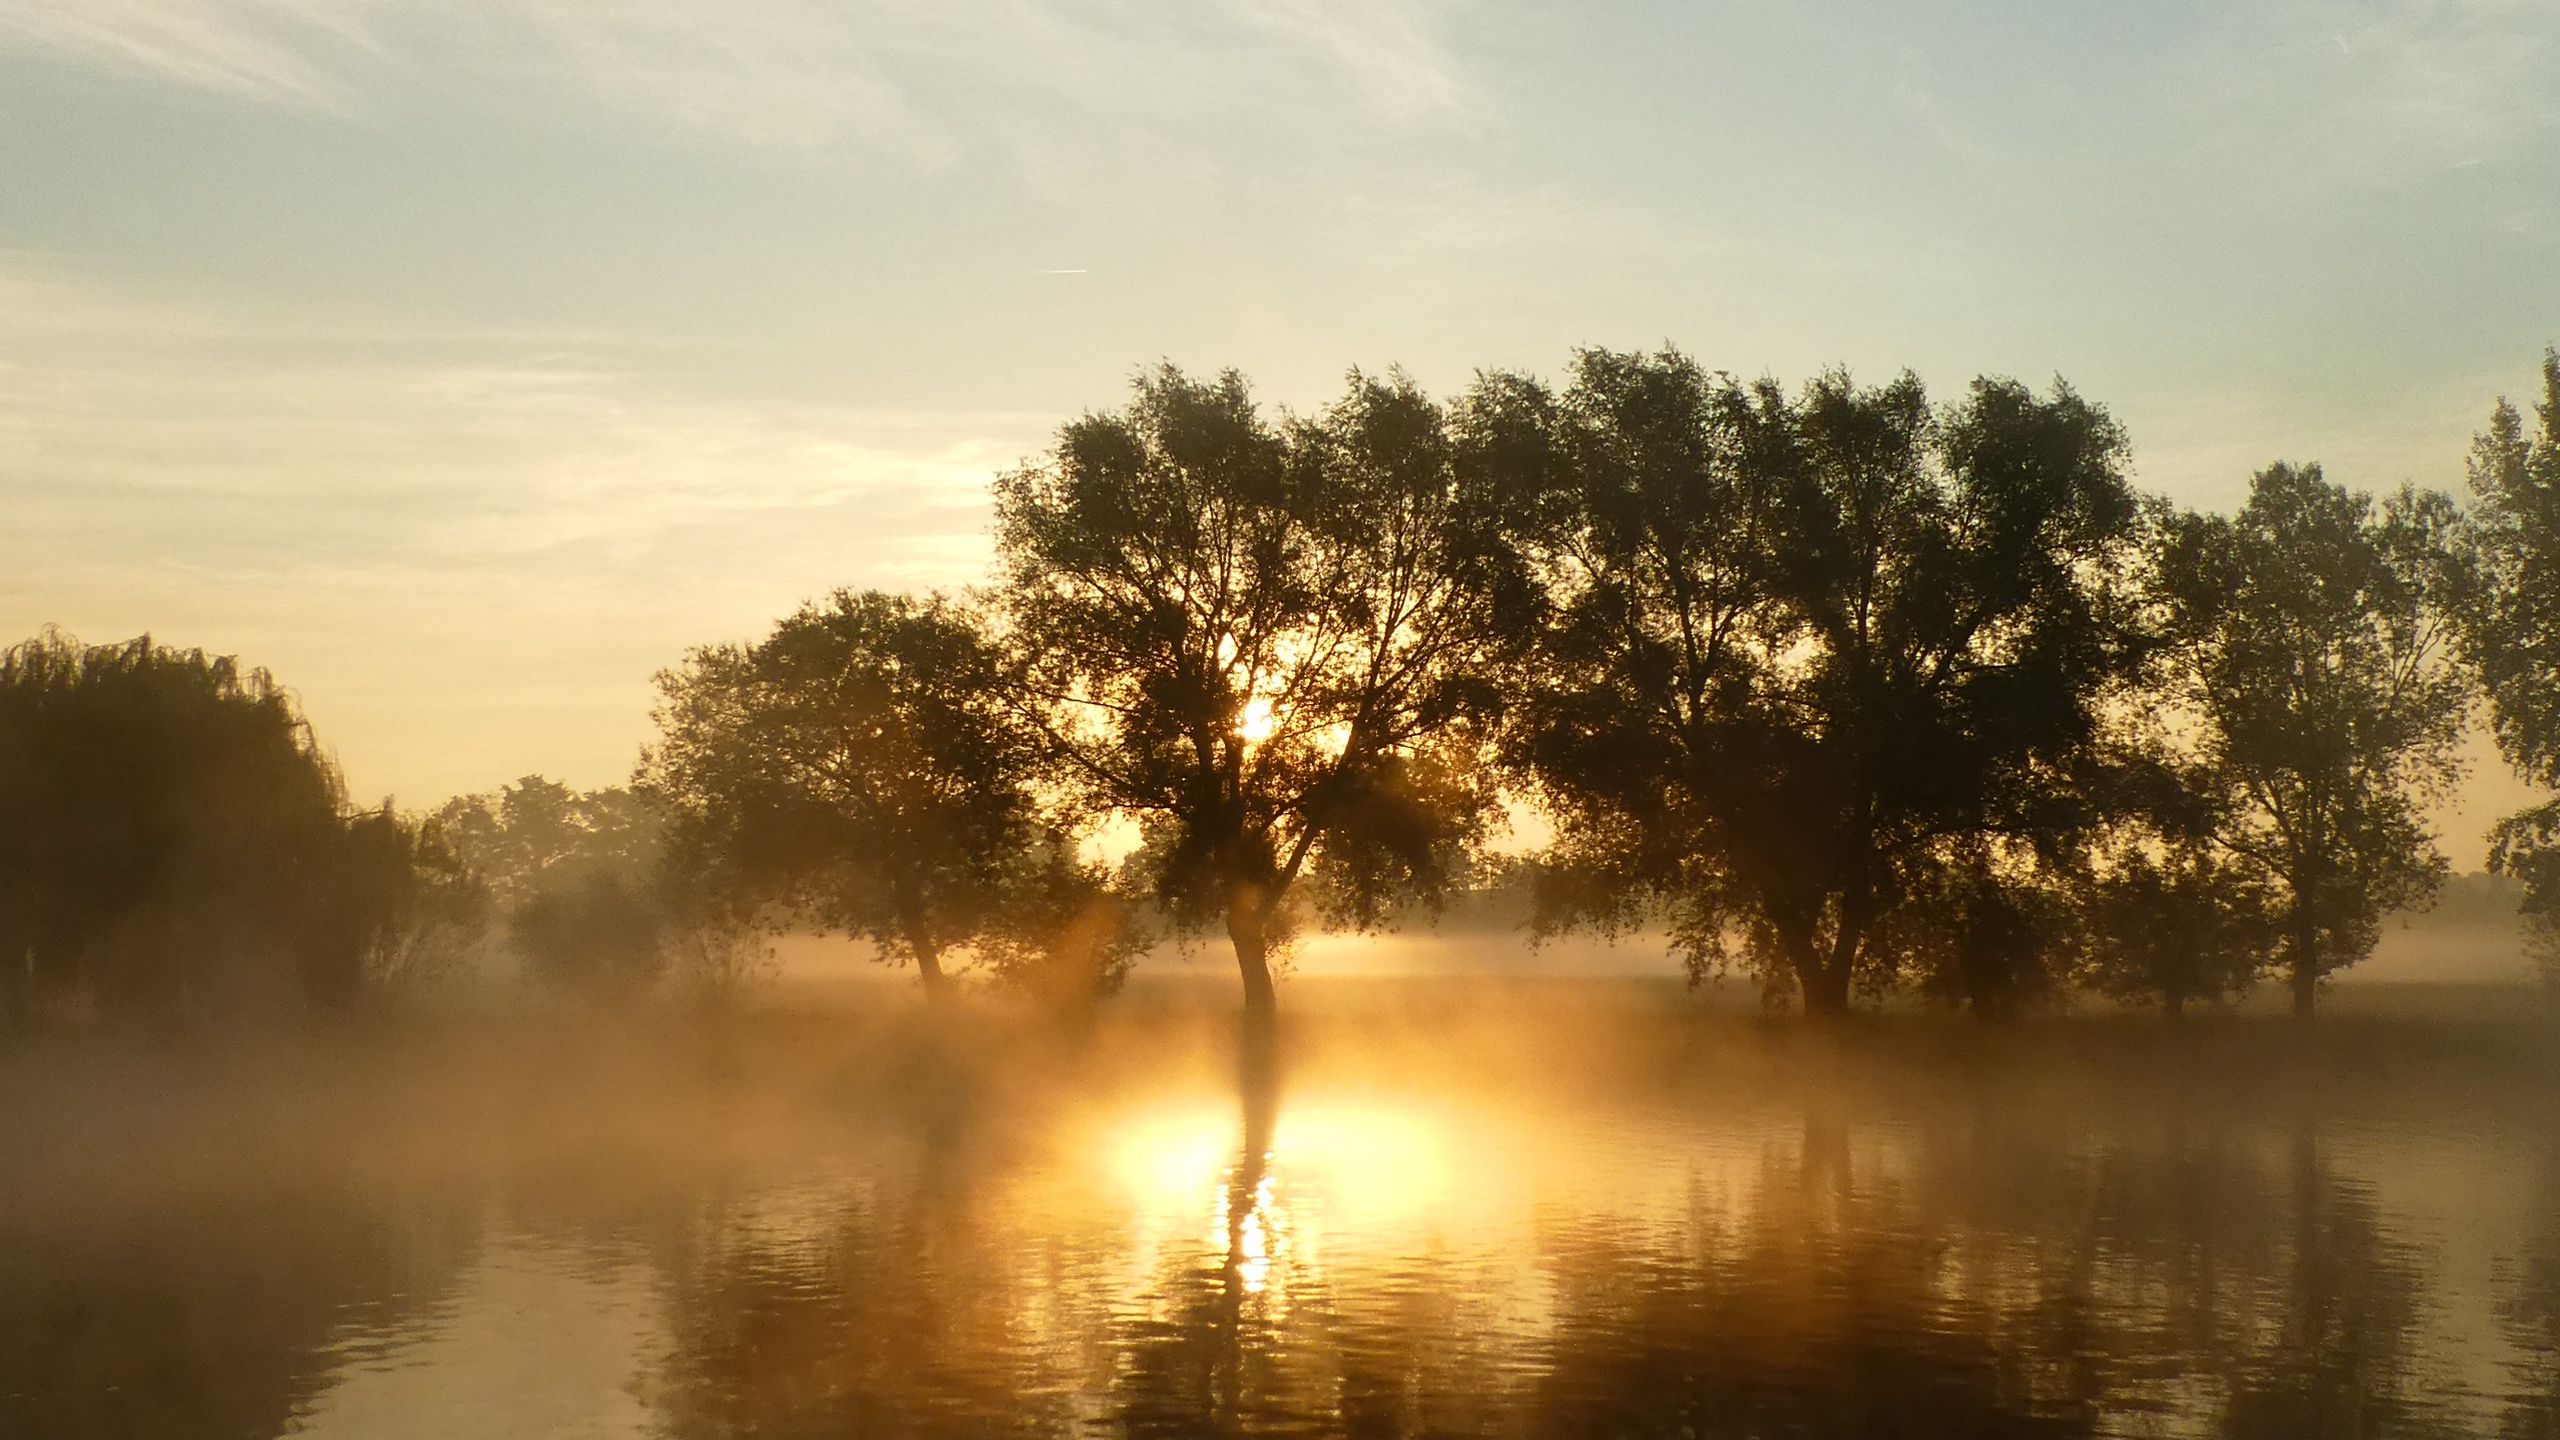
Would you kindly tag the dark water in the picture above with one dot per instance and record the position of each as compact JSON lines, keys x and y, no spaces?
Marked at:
{"x":1558,"y":1213}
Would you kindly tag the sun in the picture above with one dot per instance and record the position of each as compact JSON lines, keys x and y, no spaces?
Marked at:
{"x":1259,"y":722}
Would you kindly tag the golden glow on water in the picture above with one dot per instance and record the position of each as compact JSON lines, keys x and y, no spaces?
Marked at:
{"x":1411,"y":1229}
{"x":1370,"y":1162}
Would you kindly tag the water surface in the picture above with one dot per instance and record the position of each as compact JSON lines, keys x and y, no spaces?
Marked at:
{"x":1592,"y":1210}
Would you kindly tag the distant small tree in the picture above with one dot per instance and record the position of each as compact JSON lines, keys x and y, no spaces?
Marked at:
{"x":862,"y":768}
{"x":525,"y":836}
{"x":1275,"y":646}
{"x":2314,"y":658}
{"x":414,"y":912}
{"x":1067,"y":934}
{"x":2176,"y":928}
{"x":2512,"y":626}
{"x":1997,"y":933}
{"x":599,"y":936}
{"x":576,"y":877}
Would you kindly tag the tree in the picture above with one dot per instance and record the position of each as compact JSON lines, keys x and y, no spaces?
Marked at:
{"x":1065,"y":935}
{"x":595,"y":934}
{"x":168,"y":826}
{"x":2313,"y":660}
{"x":2512,"y":633}
{"x":411,"y":911}
{"x":537,"y":832}
{"x":1274,"y":646}
{"x":862,"y":766}
{"x":579,"y":877}
{"x":1993,"y":935}
{"x":1812,"y":658}
{"x":2177,"y":926}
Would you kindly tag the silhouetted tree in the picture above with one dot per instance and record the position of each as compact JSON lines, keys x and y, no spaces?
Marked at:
{"x":2513,"y":632}
{"x":2314,"y":657}
{"x":2167,"y":918}
{"x":537,"y":832}
{"x":411,"y":912}
{"x":597,"y":935}
{"x":578,"y":877}
{"x":1996,"y":934}
{"x":1812,"y":657}
{"x":170,"y":834}
{"x":2177,"y":926}
{"x":1272,"y":645}
{"x":863,"y":767}
{"x":1064,"y":934}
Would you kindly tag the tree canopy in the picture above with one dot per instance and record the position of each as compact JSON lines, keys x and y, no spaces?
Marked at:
{"x":2313,"y":655}
{"x":2514,"y":633}
{"x":864,"y":767}
{"x":1275,"y":646}
{"x":172,"y":839}
{"x":1813,"y":657}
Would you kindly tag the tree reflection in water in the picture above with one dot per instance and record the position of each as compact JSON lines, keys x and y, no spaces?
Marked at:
{"x":1953,"y":1270}
{"x":2532,"y":1315}
{"x":213,"y":1316}
{"x":1321,"y":1240}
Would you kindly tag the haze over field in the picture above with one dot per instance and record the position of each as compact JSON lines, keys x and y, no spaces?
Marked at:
{"x":465,"y":364}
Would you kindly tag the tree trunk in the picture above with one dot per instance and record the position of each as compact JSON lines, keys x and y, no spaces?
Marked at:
{"x":2306,"y":970}
{"x":2173,"y":1007}
{"x":1824,"y":977}
{"x":1246,"y":931}
{"x":1825,"y":985}
{"x":937,"y":985}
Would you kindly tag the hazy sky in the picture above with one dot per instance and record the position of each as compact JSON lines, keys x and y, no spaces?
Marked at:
{"x":463,"y":361}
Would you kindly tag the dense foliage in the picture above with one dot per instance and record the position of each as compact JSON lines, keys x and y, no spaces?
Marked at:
{"x":1275,"y":647}
{"x":1816,"y":659}
{"x":2314,"y":657}
{"x":2514,"y":633}
{"x":1843,"y":689}
{"x":865,"y":769}
{"x":173,"y":841}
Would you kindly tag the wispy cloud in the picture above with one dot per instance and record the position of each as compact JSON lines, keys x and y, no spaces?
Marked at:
{"x":538,"y":526}
{"x":2380,"y":90}
{"x":1396,"y":54}
{"x":907,"y":76}
{"x":305,"y":54}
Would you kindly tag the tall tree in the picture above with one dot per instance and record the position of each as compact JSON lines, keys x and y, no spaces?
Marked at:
{"x":1814,"y":658}
{"x":1274,"y":646}
{"x":863,"y":767}
{"x":2314,"y":659}
{"x":2513,"y":635}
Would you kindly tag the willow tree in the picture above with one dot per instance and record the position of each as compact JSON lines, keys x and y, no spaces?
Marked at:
{"x":171,"y":835}
{"x":2314,"y":654}
{"x":1816,"y":659}
{"x":1273,"y":645}
{"x":862,"y":768}
{"x":2514,"y":635}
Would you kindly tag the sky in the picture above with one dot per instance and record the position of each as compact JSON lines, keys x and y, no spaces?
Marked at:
{"x":465,"y":361}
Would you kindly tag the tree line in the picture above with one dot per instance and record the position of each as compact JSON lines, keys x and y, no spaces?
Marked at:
{"x":1843,"y":688}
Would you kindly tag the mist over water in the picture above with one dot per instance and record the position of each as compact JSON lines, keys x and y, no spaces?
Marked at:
{"x":1563,"y":1207}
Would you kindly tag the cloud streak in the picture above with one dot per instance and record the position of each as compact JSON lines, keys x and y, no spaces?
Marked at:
{"x":389,"y":526}
{"x":899,"y":76}
{"x":299,"y":54}
{"x":2381,"y":90}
